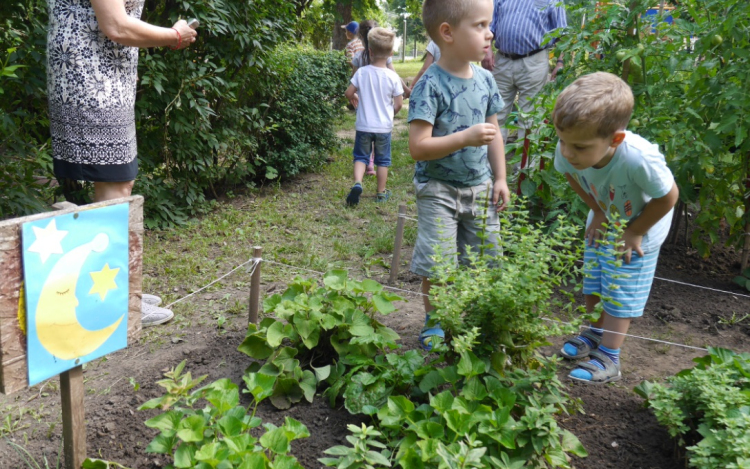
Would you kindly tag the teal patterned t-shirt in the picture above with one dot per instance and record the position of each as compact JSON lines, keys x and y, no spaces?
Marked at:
{"x":452,"y":104}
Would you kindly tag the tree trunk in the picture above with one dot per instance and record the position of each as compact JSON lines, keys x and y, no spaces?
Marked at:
{"x":343,"y":16}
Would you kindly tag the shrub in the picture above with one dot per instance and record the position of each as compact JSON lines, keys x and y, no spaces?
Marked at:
{"x":509,"y":298}
{"x":707,"y":408}
{"x":233,"y":109}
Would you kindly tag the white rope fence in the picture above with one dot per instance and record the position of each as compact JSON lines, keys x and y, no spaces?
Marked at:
{"x":701,"y":287}
{"x":257,"y":261}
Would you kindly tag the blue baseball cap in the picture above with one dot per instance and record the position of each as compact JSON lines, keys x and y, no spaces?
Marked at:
{"x":351,"y":27}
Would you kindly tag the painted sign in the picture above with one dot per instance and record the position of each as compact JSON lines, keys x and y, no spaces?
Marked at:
{"x":76,"y":285}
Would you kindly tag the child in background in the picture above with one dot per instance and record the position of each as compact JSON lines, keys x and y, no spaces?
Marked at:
{"x":431,"y":55}
{"x":619,"y":175}
{"x":453,"y":135}
{"x":354,"y":46}
{"x":363,"y":58}
{"x":376,"y":93}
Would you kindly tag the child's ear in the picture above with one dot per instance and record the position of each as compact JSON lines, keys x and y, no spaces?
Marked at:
{"x":617,"y":138}
{"x":446,"y":32}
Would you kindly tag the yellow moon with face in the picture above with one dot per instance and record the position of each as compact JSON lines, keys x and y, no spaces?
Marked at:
{"x":57,"y":325}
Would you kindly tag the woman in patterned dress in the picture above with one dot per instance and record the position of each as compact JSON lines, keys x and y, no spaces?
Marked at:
{"x":92,"y":61}
{"x":92,"y":65}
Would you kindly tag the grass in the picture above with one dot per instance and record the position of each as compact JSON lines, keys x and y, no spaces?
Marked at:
{"x":408,"y":69}
{"x":303,"y":222}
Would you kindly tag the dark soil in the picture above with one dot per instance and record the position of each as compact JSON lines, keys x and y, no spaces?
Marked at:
{"x":615,"y":428}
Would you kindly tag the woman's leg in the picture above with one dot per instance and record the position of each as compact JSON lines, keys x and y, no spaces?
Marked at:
{"x":112,"y":190}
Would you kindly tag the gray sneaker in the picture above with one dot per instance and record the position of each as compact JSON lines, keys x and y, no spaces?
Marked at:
{"x":153,"y":300}
{"x":153,"y":315}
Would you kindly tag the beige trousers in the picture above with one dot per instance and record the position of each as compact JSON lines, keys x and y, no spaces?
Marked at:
{"x":522,"y":79}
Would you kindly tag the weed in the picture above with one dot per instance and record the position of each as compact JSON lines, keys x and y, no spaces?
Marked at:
{"x":733,"y":320}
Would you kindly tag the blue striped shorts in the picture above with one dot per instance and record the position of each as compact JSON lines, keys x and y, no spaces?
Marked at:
{"x":623,"y":288}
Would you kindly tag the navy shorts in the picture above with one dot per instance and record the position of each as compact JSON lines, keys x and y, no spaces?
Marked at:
{"x":363,"y":147}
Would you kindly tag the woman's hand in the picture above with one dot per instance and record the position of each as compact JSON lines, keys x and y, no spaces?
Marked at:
{"x":185,"y":37}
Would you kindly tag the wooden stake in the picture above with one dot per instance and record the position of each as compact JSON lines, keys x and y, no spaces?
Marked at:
{"x":74,"y":427}
{"x":395,"y":263}
{"x":255,"y":287}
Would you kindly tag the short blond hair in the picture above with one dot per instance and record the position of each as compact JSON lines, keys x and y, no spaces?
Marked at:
{"x":600,"y":101}
{"x":381,"y":42}
{"x":437,"y":12}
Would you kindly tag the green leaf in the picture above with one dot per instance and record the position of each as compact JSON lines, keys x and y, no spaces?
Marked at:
{"x":427,"y":429}
{"x":276,"y":333}
{"x":400,"y":406}
{"x":275,"y":440}
{"x":259,"y":385}
{"x":322,"y":373}
{"x":309,"y":384}
{"x":371,"y":286}
{"x":571,"y":444}
{"x":184,"y":456}
{"x":295,"y":429}
{"x":191,"y":429}
{"x":255,"y":347}
{"x":336,"y":279}
{"x":383,"y":305}
{"x":167,"y":421}
{"x":162,"y":444}
{"x":374,"y":457}
{"x":286,"y":392}
{"x":442,"y":402}
{"x":230,"y":426}
{"x":254,"y":461}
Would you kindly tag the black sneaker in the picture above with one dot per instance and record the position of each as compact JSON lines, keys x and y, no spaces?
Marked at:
{"x":353,"y":198}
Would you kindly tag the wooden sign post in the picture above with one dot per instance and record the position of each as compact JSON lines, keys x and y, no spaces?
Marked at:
{"x":14,"y":371}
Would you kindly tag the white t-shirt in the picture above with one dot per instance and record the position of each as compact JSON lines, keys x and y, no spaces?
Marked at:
{"x":376,"y":88}
{"x":433,"y":49}
{"x":636,"y":174}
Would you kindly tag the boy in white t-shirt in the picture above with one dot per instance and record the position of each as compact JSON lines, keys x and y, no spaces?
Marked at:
{"x":377,"y":94}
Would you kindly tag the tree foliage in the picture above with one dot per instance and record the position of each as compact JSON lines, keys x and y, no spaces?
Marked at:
{"x":231,"y":110}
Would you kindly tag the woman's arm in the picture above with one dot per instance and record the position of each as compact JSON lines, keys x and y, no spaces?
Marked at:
{"x":123,"y":29}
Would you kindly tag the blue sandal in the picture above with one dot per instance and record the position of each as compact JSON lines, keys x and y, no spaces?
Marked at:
{"x":428,"y":335}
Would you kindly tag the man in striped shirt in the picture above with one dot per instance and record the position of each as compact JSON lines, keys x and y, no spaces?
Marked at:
{"x":521,"y":64}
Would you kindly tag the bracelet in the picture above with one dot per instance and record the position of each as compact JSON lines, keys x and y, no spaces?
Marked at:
{"x":560,"y":61}
{"x":179,"y":40}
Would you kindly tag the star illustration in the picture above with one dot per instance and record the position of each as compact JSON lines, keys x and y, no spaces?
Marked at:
{"x":47,"y":240}
{"x":104,"y":281}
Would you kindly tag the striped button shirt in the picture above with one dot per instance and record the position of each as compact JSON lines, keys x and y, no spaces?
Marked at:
{"x":519,"y":26}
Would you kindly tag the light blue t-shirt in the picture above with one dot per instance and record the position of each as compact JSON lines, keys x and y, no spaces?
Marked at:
{"x":452,"y":104}
{"x":636,"y":174}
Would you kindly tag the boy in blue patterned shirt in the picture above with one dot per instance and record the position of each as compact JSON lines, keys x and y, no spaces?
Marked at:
{"x":455,"y":139}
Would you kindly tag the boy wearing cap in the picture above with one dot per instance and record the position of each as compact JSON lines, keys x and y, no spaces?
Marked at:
{"x":354,"y":45}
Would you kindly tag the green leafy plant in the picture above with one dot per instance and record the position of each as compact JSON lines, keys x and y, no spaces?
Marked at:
{"x":314,"y":327}
{"x":707,"y":409}
{"x":219,"y":435}
{"x":477,"y":418}
{"x":359,"y":455}
{"x":509,"y":298}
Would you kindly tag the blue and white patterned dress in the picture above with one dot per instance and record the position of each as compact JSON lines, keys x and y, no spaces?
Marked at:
{"x":91,"y":87}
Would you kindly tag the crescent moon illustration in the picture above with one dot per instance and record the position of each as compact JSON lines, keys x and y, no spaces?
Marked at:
{"x":57,"y":325}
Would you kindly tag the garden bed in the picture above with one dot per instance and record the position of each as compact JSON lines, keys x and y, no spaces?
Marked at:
{"x":616,"y":430}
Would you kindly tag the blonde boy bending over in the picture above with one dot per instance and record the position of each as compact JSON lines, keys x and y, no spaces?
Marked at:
{"x":620,"y":176}
{"x":455,"y":139}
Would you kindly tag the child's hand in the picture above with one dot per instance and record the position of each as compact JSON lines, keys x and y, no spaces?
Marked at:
{"x":596,"y":229}
{"x":631,"y":242}
{"x":500,"y":195}
{"x":480,"y":134}
{"x":355,"y":100}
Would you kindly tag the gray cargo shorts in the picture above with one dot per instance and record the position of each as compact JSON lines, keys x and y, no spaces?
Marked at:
{"x":452,"y":218}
